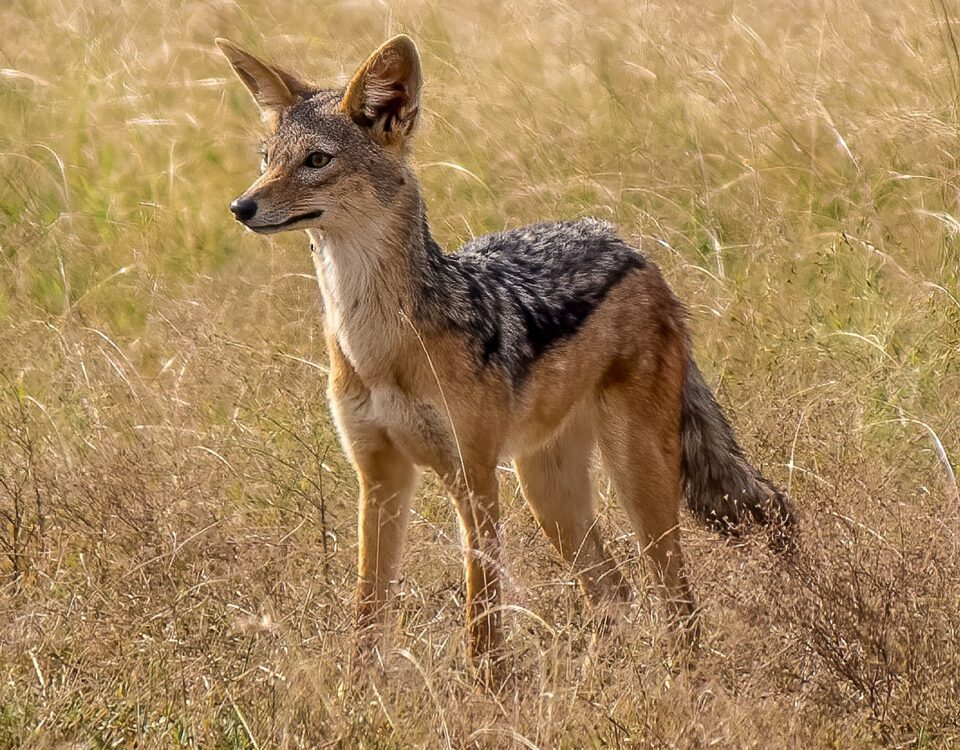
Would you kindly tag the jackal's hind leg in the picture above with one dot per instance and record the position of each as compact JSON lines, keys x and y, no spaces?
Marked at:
{"x":641,"y":454}
{"x":556,"y":484}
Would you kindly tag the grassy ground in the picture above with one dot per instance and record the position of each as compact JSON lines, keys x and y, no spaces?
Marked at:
{"x":177,"y":519}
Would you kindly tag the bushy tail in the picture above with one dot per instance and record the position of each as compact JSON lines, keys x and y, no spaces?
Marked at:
{"x":722,"y":489}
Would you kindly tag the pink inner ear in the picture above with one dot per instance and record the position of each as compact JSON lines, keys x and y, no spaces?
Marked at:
{"x":383,"y":96}
{"x":383,"y":93}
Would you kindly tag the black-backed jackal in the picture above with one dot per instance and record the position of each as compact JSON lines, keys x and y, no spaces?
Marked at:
{"x":536,"y":345}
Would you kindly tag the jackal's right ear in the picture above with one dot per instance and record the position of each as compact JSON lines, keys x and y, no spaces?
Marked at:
{"x":384,"y":94}
{"x":272,"y":88}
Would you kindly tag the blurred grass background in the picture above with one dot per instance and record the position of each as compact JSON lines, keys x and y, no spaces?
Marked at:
{"x":176,"y":517}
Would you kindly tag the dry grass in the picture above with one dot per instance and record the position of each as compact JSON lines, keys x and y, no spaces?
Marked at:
{"x":177,"y":519}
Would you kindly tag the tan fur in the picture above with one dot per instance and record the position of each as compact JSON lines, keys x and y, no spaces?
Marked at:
{"x":586,"y":388}
{"x":405,"y":397}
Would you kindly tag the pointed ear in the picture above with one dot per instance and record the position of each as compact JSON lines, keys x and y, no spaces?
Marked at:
{"x":273,"y":88}
{"x":384,"y":94}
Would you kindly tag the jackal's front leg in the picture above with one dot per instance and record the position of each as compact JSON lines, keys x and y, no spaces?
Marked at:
{"x":478,"y":508}
{"x":387,"y":479}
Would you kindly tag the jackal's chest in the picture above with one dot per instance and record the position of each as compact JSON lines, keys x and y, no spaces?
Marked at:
{"x":419,"y":428}
{"x":365,"y":320}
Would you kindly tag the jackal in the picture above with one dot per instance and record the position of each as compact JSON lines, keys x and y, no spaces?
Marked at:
{"x":534,"y":345}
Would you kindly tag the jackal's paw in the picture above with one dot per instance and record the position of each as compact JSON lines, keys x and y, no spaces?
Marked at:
{"x":613,"y":631}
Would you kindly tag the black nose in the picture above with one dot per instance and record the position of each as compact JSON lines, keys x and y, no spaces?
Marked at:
{"x":244,"y":208}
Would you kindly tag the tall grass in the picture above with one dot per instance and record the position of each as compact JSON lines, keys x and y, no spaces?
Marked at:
{"x":176,"y":516}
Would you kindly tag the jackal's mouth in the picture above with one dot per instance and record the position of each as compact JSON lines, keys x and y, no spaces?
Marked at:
{"x":268,"y":228}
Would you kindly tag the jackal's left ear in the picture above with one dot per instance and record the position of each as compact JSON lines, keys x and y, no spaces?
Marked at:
{"x":384,"y":94}
{"x":272,"y":88}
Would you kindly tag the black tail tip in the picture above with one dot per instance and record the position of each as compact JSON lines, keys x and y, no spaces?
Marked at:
{"x":783,"y":529}
{"x":767,"y":509}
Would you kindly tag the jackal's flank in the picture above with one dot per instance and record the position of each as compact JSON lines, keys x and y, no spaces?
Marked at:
{"x":536,"y":345}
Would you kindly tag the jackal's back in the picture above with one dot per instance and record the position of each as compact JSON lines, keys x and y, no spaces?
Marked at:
{"x":519,"y":293}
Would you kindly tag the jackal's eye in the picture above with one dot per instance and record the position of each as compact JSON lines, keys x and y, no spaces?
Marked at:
{"x":317,"y":160}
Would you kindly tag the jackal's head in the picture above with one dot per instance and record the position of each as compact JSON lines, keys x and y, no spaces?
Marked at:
{"x":333,"y":159}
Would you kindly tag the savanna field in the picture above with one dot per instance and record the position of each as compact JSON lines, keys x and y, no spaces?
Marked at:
{"x":177,"y":519}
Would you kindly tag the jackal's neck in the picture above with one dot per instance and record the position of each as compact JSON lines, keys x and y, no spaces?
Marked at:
{"x":371,"y":278}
